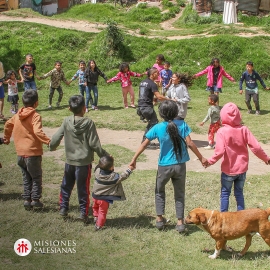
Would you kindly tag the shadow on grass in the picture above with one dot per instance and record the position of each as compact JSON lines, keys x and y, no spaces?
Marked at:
{"x":108,"y":108}
{"x":54,"y":108}
{"x":10,"y":196}
{"x":200,"y":144}
{"x":226,"y":255}
{"x":125,"y":222}
{"x":262,"y":112}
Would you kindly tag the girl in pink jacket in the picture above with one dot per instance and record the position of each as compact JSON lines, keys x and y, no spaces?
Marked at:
{"x":124,"y":76}
{"x":215,"y":72}
{"x":232,"y":144}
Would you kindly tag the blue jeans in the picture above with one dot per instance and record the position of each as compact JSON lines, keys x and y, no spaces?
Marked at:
{"x":82,"y":89}
{"x":95,"y":92}
{"x":226,"y":186}
{"x":30,"y":85}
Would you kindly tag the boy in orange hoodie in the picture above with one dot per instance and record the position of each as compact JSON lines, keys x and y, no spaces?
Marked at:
{"x":26,"y":128}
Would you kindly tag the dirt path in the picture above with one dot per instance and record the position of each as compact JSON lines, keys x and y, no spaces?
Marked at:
{"x":85,"y":26}
{"x":131,"y":140}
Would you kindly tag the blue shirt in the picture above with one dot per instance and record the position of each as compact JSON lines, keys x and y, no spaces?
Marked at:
{"x":166,"y":75}
{"x":250,"y":80}
{"x":79,"y":74}
{"x":167,"y":156}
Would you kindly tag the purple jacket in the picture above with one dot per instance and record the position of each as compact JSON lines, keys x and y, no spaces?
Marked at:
{"x":210,"y":78}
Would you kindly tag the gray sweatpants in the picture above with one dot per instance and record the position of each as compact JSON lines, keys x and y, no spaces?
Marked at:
{"x":178,"y":175}
{"x":32,"y":176}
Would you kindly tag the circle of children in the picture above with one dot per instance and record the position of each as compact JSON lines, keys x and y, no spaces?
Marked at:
{"x":81,"y":139}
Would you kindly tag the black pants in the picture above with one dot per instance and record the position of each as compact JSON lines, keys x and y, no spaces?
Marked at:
{"x":248,"y":95}
{"x":32,"y":176}
{"x":59,"y":90}
{"x":82,"y":175}
{"x":150,"y":115}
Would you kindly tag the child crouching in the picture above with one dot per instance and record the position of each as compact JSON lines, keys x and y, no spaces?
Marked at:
{"x":107,"y":188}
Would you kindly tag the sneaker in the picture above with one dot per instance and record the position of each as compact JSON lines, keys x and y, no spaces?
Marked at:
{"x":132,"y":106}
{"x":209,"y":147}
{"x":50,"y":106}
{"x":86,"y":110}
{"x":160,"y":225}
{"x":249,"y":111}
{"x":83,"y":218}
{"x":37,"y":203}
{"x":27,"y":205}
{"x":95,"y":219}
{"x":93,"y":107}
{"x":98,"y":228}
{"x":180,"y":228}
{"x":58,"y":104}
{"x":96,"y":108}
{"x":63,"y":212}
{"x":126,"y":107}
{"x":257,"y":112}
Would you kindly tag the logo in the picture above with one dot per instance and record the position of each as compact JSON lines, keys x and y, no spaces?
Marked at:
{"x":22,"y":247}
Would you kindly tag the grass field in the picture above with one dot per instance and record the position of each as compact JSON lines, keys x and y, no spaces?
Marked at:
{"x":130,"y":240}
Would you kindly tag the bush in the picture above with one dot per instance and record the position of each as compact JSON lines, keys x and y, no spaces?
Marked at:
{"x":143,"y":14}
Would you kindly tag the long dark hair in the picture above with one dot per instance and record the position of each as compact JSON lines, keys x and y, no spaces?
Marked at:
{"x":168,"y":110}
{"x":184,"y":78}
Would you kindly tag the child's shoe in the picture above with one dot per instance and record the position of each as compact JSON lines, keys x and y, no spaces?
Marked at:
{"x":63,"y":212}
{"x":258,"y":113}
{"x":93,"y":107}
{"x":57,"y":104}
{"x":132,"y":106}
{"x":86,"y":110}
{"x":95,"y":219}
{"x":83,"y":218}
{"x":126,"y":107}
{"x":96,"y":108}
{"x":98,"y":228}
{"x":209,"y":147}
{"x":50,"y":106}
{"x":27,"y":205}
{"x":37,"y":203}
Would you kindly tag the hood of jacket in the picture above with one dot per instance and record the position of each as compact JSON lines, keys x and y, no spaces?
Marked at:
{"x":230,"y":115}
{"x":25,"y":112}
{"x":78,"y":124}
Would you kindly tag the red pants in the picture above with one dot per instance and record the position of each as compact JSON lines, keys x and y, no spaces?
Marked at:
{"x":100,"y":209}
{"x":213,"y":128}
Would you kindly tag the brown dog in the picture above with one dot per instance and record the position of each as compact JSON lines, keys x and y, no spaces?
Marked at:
{"x":223,"y":226}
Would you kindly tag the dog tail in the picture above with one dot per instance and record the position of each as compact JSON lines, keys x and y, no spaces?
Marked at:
{"x":268,"y":211}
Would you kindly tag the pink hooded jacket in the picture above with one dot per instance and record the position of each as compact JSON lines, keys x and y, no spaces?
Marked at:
{"x":210,"y":78}
{"x":232,"y":143}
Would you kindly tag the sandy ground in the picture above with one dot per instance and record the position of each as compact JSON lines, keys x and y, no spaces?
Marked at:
{"x":131,"y":140}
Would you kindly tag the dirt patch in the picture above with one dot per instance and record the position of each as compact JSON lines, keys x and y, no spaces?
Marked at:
{"x":131,"y":140}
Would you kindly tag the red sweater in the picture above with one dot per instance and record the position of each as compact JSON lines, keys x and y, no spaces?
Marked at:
{"x":28,"y":135}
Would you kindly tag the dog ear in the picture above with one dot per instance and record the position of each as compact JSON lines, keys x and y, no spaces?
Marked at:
{"x":201,"y":217}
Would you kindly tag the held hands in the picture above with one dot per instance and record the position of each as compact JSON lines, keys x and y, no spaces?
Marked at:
{"x":132,"y":164}
{"x":131,"y":167}
{"x":205,"y":163}
{"x":201,"y":124}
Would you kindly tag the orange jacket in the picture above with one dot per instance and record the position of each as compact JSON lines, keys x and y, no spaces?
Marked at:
{"x":28,"y":135}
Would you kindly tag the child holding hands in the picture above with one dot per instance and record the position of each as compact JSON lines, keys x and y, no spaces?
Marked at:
{"x":57,"y":75}
{"x":13,"y":96}
{"x":107,"y":188}
{"x":214,"y":115}
{"x":124,"y":75}
{"x":232,"y":144}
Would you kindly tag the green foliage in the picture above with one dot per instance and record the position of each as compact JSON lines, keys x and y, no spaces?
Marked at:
{"x":113,"y":38}
{"x":142,"y":14}
{"x":253,"y":20}
{"x":191,"y":17}
{"x":166,"y":4}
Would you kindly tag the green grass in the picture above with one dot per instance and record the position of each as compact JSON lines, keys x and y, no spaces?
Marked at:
{"x":130,"y":240}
